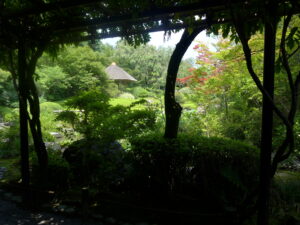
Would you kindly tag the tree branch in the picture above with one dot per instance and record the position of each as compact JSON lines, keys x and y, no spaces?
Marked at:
{"x":247,"y":52}
{"x":289,"y":139}
{"x":12,"y":71}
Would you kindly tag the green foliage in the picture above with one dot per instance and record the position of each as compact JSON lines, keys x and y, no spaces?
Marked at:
{"x":146,"y":63}
{"x":74,"y":70}
{"x":140,"y":92}
{"x":220,"y":172}
{"x":48,"y":119}
{"x":191,"y":123}
{"x":7,"y":91}
{"x":121,"y":101}
{"x":4,"y":112}
{"x":10,"y":138}
{"x":285,"y":197}
{"x":50,"y":107}
{"x":126,"y":95}
{"x":58,"y":173}
{"x":96,"y":164}
{"x":97,"y":119}
{"x":112,"y":89}
{"x":13,"y":169}
{"x":228,"y":102}
{"x":52,"y":82}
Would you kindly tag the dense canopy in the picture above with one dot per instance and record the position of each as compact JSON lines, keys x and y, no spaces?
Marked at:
{"x":30,"y":28}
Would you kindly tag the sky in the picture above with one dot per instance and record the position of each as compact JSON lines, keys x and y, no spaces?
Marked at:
{"x":157,"y":39}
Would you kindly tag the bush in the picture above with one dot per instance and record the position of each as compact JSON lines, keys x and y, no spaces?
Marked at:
{"x":3,"y":111}
{"x":214,"y":171}
{"x":126,"y":95}
{"x":50,"y":107}
{"x":47,"y":118}
{"x":285,"y":197}
{"x":96,"y":164}
{"x":10,"y":138}
{"x":112,"y":89}
{"x":10,"y":143}
{"x":96,"y":119}
{"x":58,"y":172}
{"x":140,"y":92}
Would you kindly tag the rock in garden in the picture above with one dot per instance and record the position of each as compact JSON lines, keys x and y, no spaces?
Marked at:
{"x":53,"y":146}
{"x":2,"y":171}
{"x":56,"y":134}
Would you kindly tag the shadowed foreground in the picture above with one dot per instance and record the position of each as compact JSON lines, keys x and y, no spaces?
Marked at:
{"x":11,"y":214}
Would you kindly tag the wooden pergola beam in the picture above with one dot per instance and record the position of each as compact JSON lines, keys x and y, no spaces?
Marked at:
{"x":67,"y":4}
{"x":47,"y":7}
{"x":144,"y":31}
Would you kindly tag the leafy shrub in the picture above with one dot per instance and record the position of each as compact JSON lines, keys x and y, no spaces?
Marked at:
{"x":47,"y":118}
{"x":215,"y":171}
{"x":3,"y":111}
{"x":126,"y":95}
{"x":97,"y":120}
{"x":180,"y":97}
{"x":140,"y":92}
{"x":10,"y":143}
{"x":191,"y":123}
{"x":10,"y":138}
{"x":96,"y":164}
{"x":185,"y":90}
{"x":112,"y":89}
{"x":285,"y":197}
{"x":58,"y":172}
{"x":50,"y":107}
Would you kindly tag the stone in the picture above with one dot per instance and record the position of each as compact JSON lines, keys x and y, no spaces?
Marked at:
{"x":2,"y":172}
{"x":53,"y":146}
{"x":56,"y":134}
{"x":62,"y":208}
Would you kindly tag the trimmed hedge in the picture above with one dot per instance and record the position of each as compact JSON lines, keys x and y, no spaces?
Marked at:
{"x":215,"y":171}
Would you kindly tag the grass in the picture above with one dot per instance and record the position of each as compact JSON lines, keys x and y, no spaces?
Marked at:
{"x":121,"y":101}
{"x":13,"y":170}
{"x":4,"y":110}
{"x":127,"y":102}
{"x":189,"y":105}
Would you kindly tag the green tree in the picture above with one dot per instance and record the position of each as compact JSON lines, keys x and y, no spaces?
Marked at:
{"x":76,"y":68}
{"x":146,"y":63}
{"x":7,"y":91}
{"x":96,"y":119}
{"x":221,"y":89}
{"x":52,"y":82}
{"x":243,"y":32}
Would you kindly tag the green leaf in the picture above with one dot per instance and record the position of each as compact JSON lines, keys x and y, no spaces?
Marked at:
{"x":293,"y":31}
{"x":290,"y":43}
{"x":225,"y":31}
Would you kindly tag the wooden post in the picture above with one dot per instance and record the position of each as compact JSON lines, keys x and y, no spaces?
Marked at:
{"x":267,"y":113}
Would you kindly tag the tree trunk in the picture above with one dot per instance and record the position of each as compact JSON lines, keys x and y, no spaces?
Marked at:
{"x":267,"y":114}
{"x":28,"y":93}
{"x":34,"y":121}
{"x":23,"y":114}
{"x":173,"y":108}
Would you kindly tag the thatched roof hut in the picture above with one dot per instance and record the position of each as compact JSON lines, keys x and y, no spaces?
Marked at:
{"x":118,"y":74}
